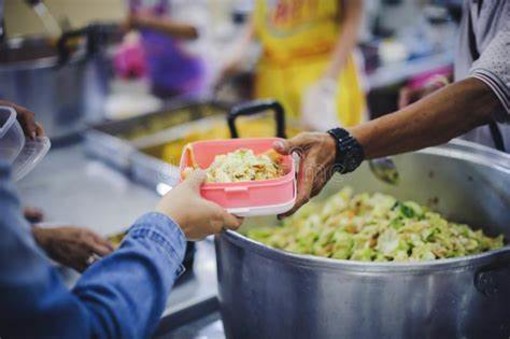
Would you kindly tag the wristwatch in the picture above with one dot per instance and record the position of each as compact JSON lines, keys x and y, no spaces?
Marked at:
{"x":349,"y":152}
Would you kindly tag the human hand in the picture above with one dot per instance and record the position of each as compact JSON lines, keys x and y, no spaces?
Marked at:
{"x":408,"y":95}
{"x":33,"y":214}
{"x":26,"y":118}
{"x":317,"y":152}
{"x":196,"y":216}
{"x":72,"y":246}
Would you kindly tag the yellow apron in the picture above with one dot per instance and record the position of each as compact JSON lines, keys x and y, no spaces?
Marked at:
{"x":298,"y":37}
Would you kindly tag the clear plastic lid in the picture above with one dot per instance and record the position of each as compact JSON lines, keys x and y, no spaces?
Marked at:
{"x":12,"y":139}
{"x":23,"y":154}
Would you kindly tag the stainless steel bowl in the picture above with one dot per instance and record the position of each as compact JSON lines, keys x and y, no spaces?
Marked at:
{"x":63,"y":95}
{"x":268,"y":293}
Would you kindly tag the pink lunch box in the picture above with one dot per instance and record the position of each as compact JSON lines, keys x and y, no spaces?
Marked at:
{"x":251,"y":198}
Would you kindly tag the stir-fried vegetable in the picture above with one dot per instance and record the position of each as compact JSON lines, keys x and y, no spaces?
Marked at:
{"x":244,"y":165}
{"x":374,"y":227}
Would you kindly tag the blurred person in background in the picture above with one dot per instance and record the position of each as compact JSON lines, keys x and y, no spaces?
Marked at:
{"x":307,"y":59}
{"x":71,"y":246}
{"x":172,"y":46}
{"x":480,"y":96}
{"x":121,"y":296}
{"x":484,"y":31}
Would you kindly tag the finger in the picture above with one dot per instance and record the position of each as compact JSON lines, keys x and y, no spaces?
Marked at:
{"x":97,"y":247}
{"x":230,"y":221}
{"x":287,"y":147}
{"x":32,"y":214}
{"x":282,"y":147}
{"x":306,"y":178}
{"x":104,"y":242}
{"x":26,"y":119}
{"x":39,"y":130}
{"x":304,"y":189}
{"x":196,"y":179}
{"x":299,"y":203}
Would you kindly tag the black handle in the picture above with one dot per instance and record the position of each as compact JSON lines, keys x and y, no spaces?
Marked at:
{"x":63,"y":49}
{"x":97,"y":35}
{"x":254,"y":107}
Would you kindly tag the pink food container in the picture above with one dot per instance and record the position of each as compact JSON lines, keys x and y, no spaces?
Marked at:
{"x":245,"y":199}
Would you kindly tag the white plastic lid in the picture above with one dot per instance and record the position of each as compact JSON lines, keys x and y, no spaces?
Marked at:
{"x":23,"y":154}
{"x":259,"y":211}
{"x":262,"y":210}
{"x":11,"y":135}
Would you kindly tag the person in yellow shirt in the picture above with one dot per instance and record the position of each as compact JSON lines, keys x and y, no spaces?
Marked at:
{"x":307,"y":59}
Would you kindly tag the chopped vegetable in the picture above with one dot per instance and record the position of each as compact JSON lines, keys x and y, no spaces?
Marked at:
{"x":243,"y":165}
{"x":374,"y":227}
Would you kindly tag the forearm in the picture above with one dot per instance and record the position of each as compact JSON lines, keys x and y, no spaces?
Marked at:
{"x":347,"y":39}
{"x":434,"y":120}
{"x":126,"y":292}
{"x":121,"y":296}
{"x":167,"y":26}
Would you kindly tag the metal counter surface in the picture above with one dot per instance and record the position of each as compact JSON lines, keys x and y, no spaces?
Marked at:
{"x":75,"y":190}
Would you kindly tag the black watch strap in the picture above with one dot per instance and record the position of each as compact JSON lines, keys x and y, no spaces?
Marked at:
{"x":349,"y":152}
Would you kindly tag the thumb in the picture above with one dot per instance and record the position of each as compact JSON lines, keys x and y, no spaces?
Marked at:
{"x":283,"y":147}
{"x":196,"y":179}
{"x":296,"y":144}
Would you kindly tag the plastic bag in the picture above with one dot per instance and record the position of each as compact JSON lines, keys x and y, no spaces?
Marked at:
{"x":318,"y":106}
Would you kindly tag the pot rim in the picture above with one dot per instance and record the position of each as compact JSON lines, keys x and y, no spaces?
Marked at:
{"x":39,"y":63}
{"x":306,"y":260}
{"x":458,"y":149}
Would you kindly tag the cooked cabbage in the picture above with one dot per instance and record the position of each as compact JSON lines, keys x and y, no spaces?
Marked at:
{"x":373,"y":227}
{"x":244,"y":165}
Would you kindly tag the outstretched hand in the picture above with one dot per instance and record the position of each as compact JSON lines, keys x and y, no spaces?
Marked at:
{"x":317,"y":152}
{"x":196,"y":216}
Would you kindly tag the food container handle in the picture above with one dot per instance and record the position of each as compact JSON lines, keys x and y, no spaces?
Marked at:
{"x":97,"y":35}
{"x":254,"y":107}
{"x":491,"y":278}
{"x":63,"y":44}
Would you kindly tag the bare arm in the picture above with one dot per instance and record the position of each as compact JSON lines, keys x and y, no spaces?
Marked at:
{"x":446,"y":114}
{"x":434,"y":120}
{"x":350,"y":23}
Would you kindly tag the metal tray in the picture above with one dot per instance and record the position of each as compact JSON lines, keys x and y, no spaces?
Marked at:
{"x":117,"y":143}
{"x":147,"y":166}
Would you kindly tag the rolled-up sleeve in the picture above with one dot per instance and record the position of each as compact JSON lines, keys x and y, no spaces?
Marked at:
{"x":120,"y":296}
{"x":126,"y":291}
{"x":493,"y":68}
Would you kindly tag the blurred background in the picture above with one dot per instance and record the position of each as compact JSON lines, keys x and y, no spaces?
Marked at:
{"x":400,"y":42}
{"x":121,"y":86}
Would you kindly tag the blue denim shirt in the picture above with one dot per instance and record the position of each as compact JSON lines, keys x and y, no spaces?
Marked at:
{"x":121,"y":296}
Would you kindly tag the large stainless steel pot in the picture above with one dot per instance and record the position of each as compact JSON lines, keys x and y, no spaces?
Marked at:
{"x":64,"y":93}
{"x":267,"y":293}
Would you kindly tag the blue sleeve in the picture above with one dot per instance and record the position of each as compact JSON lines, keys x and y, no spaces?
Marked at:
{"x":122,"y":295}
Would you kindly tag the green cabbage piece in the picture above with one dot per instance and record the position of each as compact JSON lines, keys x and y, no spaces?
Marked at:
{"x":373,"y":227}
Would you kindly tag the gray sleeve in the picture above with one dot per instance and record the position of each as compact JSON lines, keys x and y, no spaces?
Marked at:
{"x":493,"y":68}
